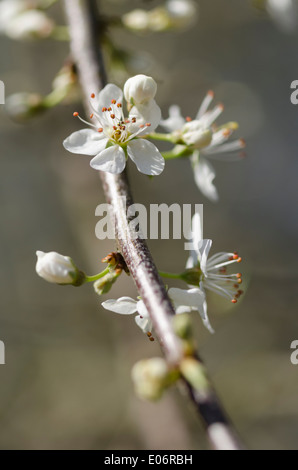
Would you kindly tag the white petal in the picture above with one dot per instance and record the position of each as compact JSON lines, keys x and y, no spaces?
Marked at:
{"x":124,"y":305}
{"x":111,"y":160}
{"x":109,"y":93}
{"x":193,"y":298}
{"x":204,"y":175}
{"x":142,"y":310}
{"x":85,"y":142}
{"x":145,"y":113}
{"x":203,"y":312}
{"x":203,"y":252}
{"x":175,"y":120}
{"x":144,"y":323}
{"x":146,"y":157}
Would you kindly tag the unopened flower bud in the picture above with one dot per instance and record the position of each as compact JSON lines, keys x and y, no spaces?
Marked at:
{"x":104,"y":284}
{"x":22,"y":106}
{"x":140,"y":89}
{"x":30,"y":25}
{"x":136,"y":20}
{"x":195,"y":374}
{"x":58,"y":269}
{"x":150,"y":378}
{"x":182,"y":13}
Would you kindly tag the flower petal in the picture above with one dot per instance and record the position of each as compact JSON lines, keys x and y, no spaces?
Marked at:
{"x":111,"y":160}
{"x":204,"y":175}
{"x":144,"y":114}
{"x":142,"y":309}
{"x":193,"y":298}
{"x":203,"y":253}
{"x":110,"y":92}
{"x":144,"y":323}
{"x":85,"y":142}
{"x":175,"y":120}
{"x":146,"y":157}
{"x":124,"y":305}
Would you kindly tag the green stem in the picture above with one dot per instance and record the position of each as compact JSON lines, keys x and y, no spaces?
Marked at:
{"x":97,"y":276}
{"x":180,"y":152}
{"x":161,"y":137}
{"x":169,"y":275}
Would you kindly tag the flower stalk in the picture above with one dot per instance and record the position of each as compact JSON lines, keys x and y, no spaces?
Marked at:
{"x":82,"y":19}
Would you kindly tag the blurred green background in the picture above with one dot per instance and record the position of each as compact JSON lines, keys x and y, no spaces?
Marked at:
{"x":66,"y":384}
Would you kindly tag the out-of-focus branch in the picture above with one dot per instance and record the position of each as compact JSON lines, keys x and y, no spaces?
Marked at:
{"x":82,"y":17}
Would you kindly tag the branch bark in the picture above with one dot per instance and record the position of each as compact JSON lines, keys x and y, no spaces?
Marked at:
{"x":83,"y":23}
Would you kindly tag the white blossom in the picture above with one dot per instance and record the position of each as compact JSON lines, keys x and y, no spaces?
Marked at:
{"x":211,"y":273}
{"x":129,"y":306}
{"x":115,"y":137}
{"x":56,"y":268}
{"x":284,"y":13}
{"x":182,"y":13}
{"x":20,"y":20}
{"x":205,"y":140}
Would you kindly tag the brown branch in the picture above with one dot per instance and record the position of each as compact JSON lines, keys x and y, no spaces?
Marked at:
{"x":83,"y":22}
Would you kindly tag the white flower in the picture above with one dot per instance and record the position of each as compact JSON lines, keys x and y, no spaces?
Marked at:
{"x":19,"y":20}
{"x":56,"y":268}
{"x":284,"y":13}
{"x":115,"y":136}
{"x":182,"y":13}
{"x":205,"y":140}
{"x":128,"y":306}
{"x":140,"y":90}
{"x":210,"y":274}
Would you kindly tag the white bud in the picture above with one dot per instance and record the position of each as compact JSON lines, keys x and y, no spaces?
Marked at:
{"x":29,"y":25}
{"x":182,"y":13}
{"x":150,"y":377}
{"x":195,"y":135}
{"x":56,"y":268}
{"x":136,"y":20}
{"x":140,"y":89}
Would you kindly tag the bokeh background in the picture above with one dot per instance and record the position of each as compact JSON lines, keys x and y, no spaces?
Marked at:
{"x":66,"y":384}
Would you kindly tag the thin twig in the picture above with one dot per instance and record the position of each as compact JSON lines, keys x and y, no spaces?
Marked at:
{"x":83,"y":22}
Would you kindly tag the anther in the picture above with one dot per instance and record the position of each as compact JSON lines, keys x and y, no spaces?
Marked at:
{"x":211,"y":93}
{"x":149,"y":334}
{"x":93,"y":95}
{"x":235,"y":256}
{"x":119,"y":105}
{"x":110,"y":109}
{"x":91,"y":116}
{"x":148,"y":124}
{"x":142,"y":126}
{"x":113,"y":101}
{"x":234,"y":301}
{"x":188,"y":119}
{"x":239,"y":260}
{"x":134,"y":120}
{"x":104,"y":109}
{"x":239,"y":275}
{"x":100,"y":130}
{"x":151,"y":339}
{"x":113,"y":116}
{"x":75,"y":114}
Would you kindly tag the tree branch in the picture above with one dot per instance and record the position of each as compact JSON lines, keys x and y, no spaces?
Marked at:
{"x":83,"y":22}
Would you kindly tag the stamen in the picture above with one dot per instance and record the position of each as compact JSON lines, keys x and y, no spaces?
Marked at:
{"x":113,"y":116}
{"x":104,"y":110}
{"x":119,"y":105}
{"x":91,"y":116}
{"x":100,"y":130}
{"x":234,"y":301}
{"x":113,"y":101}
{"x":93,"y":96}
{"x":188,"y":119}
{"x":148,"y":124}
{"x":76,"y":114}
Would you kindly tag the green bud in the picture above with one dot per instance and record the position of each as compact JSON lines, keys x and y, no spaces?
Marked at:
{"x":195,"y":373}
